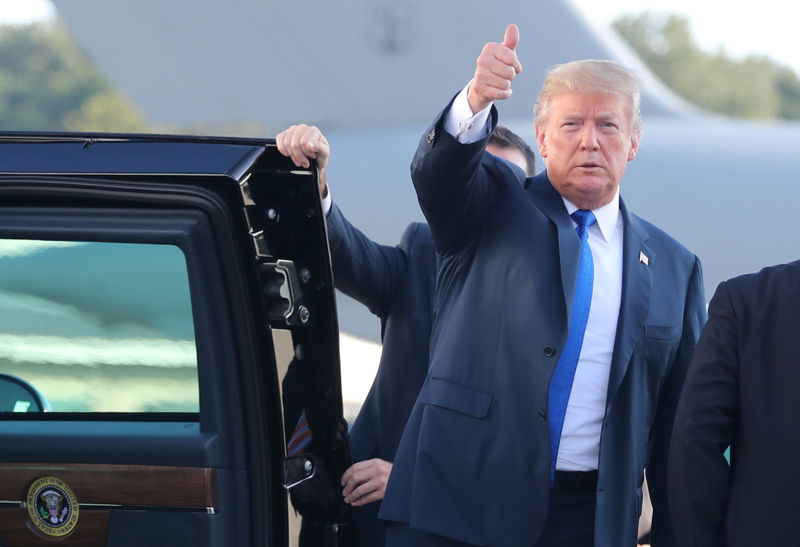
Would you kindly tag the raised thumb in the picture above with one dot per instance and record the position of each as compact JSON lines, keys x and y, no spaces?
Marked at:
{"x":511,"y":38}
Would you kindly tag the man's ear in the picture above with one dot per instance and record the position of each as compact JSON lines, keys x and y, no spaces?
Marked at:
{"x":634,"y":149}
{"x":541,"y":141}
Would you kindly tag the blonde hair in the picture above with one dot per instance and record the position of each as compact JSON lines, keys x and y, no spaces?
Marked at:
{"x":589,"y":77}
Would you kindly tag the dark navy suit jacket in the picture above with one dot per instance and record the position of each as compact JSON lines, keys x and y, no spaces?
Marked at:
{"x":742,"y":391}
{"x":473,"y":462}
{"x":396,"y":284}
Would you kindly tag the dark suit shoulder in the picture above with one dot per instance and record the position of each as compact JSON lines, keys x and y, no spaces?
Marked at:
{"x":781,"y":280}
{"x":417,"y":240}
{"x":540,"y":179}
{"x":420,"y":251}
{"x":779,"y":272}
{"x":416,"y":233}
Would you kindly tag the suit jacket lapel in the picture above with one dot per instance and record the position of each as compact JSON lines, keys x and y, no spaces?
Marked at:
{"x":637,"y":279}
{"x":550,"y":203}
{"x":637,"y":283}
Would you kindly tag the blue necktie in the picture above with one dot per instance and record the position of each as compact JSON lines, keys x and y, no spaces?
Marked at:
{"x":561,"y":382}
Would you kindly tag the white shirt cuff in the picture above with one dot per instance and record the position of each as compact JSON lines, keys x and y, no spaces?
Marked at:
{"x":326,"y":203}
{"x":461,"y":123}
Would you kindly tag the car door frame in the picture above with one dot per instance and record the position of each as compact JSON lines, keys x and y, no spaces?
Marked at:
{"x":239,"y":424}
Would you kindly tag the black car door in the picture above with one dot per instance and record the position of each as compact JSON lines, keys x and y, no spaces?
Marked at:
{"x":146,"y":286}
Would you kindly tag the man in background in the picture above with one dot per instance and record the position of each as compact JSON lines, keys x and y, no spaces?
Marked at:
{"x":397,"y":284}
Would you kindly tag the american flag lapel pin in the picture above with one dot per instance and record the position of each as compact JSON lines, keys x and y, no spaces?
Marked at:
{"x":643,"y":258}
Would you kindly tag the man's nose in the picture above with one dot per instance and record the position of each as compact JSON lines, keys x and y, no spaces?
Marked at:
{"x":589,"y":137}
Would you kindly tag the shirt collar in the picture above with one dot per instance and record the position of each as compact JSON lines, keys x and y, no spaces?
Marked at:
{"x":607,"y":215}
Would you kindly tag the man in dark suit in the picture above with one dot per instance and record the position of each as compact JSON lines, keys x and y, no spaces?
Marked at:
{"x":397,"y":285}
{"x":475,"y":465}
{"x":741,"y":391}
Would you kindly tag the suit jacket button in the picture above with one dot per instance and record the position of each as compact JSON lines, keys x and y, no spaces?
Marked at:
{"x":542,"y":414}
{"x":431,"y":136}
{"x":549,"y":350}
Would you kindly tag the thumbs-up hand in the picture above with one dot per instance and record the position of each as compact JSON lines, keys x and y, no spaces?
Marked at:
{"x":496,"y":67}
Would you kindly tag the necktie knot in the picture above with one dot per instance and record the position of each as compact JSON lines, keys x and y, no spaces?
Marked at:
{"x":584,"y":219}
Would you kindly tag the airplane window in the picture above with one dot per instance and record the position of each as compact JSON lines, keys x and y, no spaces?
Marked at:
{"x":99,"y":327}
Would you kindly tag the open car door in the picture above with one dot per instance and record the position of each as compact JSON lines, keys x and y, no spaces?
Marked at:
{"x":146,"y":286}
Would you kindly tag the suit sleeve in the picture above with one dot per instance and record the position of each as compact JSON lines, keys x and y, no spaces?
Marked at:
{"x":704,"y":428}
{"x":451,"y":184}
{"x":694,"y":318}
{"x":362,"y":268}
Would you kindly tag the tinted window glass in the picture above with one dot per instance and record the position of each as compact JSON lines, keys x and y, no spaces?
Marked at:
{"x":99,"y":327}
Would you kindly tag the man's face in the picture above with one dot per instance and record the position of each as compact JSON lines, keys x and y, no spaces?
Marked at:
{"x":586,"y":142}
{"x":514,"y":155}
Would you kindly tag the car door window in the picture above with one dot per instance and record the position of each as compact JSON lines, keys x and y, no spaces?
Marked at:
{"x":99,"y":326}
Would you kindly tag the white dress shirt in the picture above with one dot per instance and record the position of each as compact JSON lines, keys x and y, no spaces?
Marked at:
{"x":580,"y":437}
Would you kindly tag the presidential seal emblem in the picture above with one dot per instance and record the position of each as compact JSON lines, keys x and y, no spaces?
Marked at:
{"x":52,"y":507}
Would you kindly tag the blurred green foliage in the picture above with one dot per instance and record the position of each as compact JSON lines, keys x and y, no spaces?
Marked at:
{"x":754,"y":87}
{"x":48,"y":84}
